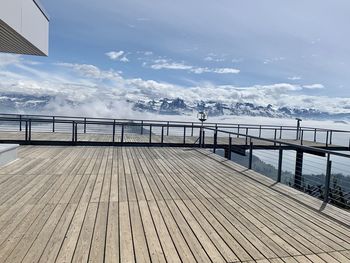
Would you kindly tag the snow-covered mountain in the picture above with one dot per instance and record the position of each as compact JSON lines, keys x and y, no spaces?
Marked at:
{"x":180,"y":107}
{"x":12,"y":103}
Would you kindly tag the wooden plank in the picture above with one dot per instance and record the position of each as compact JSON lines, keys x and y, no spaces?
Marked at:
{"x":125,"y":234}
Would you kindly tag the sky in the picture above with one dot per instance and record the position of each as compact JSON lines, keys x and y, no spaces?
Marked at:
{"x":286,"y":53}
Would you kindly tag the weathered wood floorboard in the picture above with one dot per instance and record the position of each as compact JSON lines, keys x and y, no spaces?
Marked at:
{"x":139,"y":204}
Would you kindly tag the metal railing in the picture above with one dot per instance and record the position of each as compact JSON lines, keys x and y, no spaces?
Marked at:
{"x":270,"y":150}
{"x":322,"y":173}
{"x":89,"y":125}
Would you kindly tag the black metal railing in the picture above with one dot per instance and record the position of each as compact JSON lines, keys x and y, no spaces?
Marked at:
{"x":322,"y":173}
{"x":88,"y":125}
{"x":302,"y":158}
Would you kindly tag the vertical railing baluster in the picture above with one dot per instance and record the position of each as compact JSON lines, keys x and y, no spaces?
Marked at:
{"x":53,"y":124}
{"x":20,"y":122}
{"x":26,"y":134}
{"x":281,"y":132}
{"x":150,"y":133}
{"x":302,"y":137}
{"x":76,"y":132}
{"x":122,"y":134}
{"x":315,"y":135}
{"x":250,"y":155}
{"x":73,"y":128}
{"x":331,"y":137}
{"x":85,"y":125}
{"x":162,"y":137}
{"x":184,"y":140}
{"x":328,"y":178}
{"x":327,"y":138}
{"x":246,"y":136}
{"x":229,"y":148}
{"x":238,"y":129}
{"x":275,"y":137}
{"x":141,"y":127}
{"x":192,"y":130}
{"x":215,"y":139}
{"x":280,"y":162}
{"x":113,"y":137}
{"x":260,"y":131}
{"x":30,"y":130}
{"x":167,"y":129}
{"x":203,"y":139}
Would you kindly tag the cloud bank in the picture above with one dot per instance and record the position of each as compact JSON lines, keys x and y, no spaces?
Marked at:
{"x":100,"y":92}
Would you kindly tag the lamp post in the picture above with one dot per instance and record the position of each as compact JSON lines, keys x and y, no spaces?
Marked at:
{"x":298,"y":127}
{"x":202,"y":116}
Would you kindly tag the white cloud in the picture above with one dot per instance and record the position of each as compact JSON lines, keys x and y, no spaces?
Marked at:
{"x":118,"y":56}
{"x":9,"y":59}
{"x":97,"y":90}
{"x":124,"y":59}
{"x":313,"y":86}
{"x":226,"y":71}
{"x":273,"y":60}
{"x":91,"y":71}
{"x":294,"y":78}
{"x":165,"y":64}
{"x":159,"y":64}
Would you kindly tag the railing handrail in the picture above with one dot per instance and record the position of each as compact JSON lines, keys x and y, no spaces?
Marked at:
{"x":302,"y":147}
{"x":35,"y":117}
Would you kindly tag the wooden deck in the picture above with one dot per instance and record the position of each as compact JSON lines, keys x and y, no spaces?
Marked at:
{"x":173,"y":139}
{"x":127,"y":204}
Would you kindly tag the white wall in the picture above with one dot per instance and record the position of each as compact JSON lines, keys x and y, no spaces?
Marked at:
{"x":27,"y":19}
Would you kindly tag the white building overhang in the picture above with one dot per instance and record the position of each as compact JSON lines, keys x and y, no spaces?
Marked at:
{"x":24,"y":27}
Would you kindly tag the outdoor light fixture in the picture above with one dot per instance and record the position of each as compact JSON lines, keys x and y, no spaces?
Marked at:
{"x":202,"y":116}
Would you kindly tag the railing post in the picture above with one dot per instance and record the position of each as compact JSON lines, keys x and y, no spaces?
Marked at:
{"x":150,"y":133}
{"x":260,"y":131}
{"x":275,"y":137}
{"x":302,"y":137}
{"x":73,"y":128}
{"x":113,"y":138}
{"x":215,"y":139}
{"x":279,"y":172}
{"x":298,"y":178}
{"x":327,"y":136}
{"x":26,"y":134}
{"x":141,"y":127}
{"x":85,"y":125}
{"x":246,"y":136}
{"x":315,"y":135}
{"x":184,"y":141}
{"x":76,"y":132}
{"x":250,"y":155}
{"x":238,"y":129}
{"x":200,"y":137}
{"x":281,"y":132}
{"x":53,"y":124}
{"x":20,"y":122}
{"x":328,"y":178}
{"x":30,"y":130}
{"x":331,"y":137}
{"x":167,"y":129}
{"x":122,"y":134}
{"x":162,"y":136}
{"x":229,"y":148}
{"x":192,"y":130}
{"x":203,"y":139}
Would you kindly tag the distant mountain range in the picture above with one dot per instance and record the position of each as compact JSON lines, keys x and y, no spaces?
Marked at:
{"x":10,"y":103}
{"x":178,"y":106}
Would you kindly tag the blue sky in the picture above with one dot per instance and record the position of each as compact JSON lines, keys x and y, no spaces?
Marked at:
{"x":295,"y":52}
